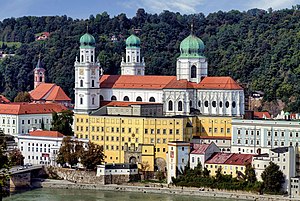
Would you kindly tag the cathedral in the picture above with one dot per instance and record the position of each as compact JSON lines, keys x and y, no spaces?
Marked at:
{"x":191,"y":91}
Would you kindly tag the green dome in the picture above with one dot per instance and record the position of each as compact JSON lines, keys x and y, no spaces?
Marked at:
{"x":87,"y":40}
{"x":191,"y":46}
{"x":133,"y":41}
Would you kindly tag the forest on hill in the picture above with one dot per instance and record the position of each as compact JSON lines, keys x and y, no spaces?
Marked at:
{"x":258,"y":48}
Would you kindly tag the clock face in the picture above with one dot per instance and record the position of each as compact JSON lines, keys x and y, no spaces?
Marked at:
{"x":41,"y":73}
{"x":81,"y":71}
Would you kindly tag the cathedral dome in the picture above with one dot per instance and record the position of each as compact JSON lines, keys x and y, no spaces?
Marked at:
{"x":133,"y":41}
{"x":87,"y":40}
{"x":191,"y":46}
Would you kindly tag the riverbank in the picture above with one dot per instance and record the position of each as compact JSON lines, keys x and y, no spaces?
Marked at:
{"x":162,"y":189}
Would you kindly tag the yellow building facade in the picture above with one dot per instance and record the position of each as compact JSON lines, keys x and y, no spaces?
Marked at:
{"x":213,"y":126}
{"x":124,"y":137}
{"x":226,"y":169}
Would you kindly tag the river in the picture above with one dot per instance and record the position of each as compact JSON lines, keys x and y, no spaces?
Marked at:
{"x":45,"y":194}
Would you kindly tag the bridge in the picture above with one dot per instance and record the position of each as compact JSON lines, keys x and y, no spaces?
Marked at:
{"x":23,"y":177}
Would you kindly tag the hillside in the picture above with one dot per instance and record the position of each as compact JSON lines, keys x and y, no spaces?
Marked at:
{"x":258,"y":48}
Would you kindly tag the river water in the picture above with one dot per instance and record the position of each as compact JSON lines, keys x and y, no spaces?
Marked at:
{"x":44,"y":194}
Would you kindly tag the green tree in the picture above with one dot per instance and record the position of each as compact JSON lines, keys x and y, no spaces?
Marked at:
{"x":250,"y":175}
{"x":273,"y":178}
{"x":92,"y":156}
{"x":22,"y":97}
{"x":70,"y":152}
{"x":62,"y":122}
{"x":16,"y":157}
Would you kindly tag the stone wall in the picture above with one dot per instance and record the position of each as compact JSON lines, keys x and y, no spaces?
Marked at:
{"x":89,"y":177}
{"x":21,"y":180}
{"x":80,"y":176}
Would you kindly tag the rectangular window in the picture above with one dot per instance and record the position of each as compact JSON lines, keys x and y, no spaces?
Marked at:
{"x":146,"y":131}
{"x":215,"y":130}
{"x":123,"y":130}
{"x":112,"y":129}
{"x":171,"y":131}
{"x":136,"y":131}
{"x":164,"y":131}
{"x":129,"y":130}
{"x":158,"y":131}
{"x":152,"y":131}
{"x":228,"y":130}
{"x":177,"y":131}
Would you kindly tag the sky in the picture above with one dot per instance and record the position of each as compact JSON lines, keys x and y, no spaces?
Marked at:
{"x":82,"y":9}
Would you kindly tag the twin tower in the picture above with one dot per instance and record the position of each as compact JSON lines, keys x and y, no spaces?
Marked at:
{"x":191,"y":66}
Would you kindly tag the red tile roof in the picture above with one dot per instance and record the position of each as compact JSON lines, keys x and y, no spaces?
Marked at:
{"x":262,"y":115}
{"x":30,"y":108}
{"x":166,"y":82}
{"x":239,"y":159}
{"x":219,"y":83}
{"x":3,"y":99}
{"x":41,"y":90}
{"x":49,"y":92}
{"x":219,"y":158}
{"x":230,"y":159}
{"x":125,"y":103}
{"x":135,"y":82}
{"x":58,"y":94}
{"x":199,"y":148}
{"x":41,"y":133}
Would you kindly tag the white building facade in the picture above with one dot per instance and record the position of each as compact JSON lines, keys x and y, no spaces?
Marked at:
{"x":284,"y":157}
{"x":177,"y":158}
{"x":20,"y":118}
{"x":259,"y":136}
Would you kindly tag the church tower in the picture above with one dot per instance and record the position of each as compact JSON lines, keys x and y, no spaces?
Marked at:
{"x":133,"y":64}
{"x":39,"y":73}
{"x":191,"y":64}
{"x":87,"y":85}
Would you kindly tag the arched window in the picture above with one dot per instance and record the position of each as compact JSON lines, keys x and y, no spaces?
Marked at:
{"x":82,"y":58}
{"x":199,"y":103}
{"x":92,"y":58}
{"x":170,"y":106}
{"x":191,"y":103}
{"x":193,"y":71}
{"x":126,"y":98}
{"x":139,"y":99}
{"x":128,"y":58}
{"x":152,"y":99}
{"x":206,"y":103}
{"x":233,"y":104}
{"x":81,"y":101}
{"x":221,"y":104}
{"x":137,"y":59}
{"x":214,"y":103}
{"x":93,"y":83}
{"x":180,"y":106}
{"x":41,"y":79}
{"x":227,"y":104}
{"x":81,"y":83}
{"x":101,"y":97}
{"x":113,"y":98}
{"x":93,"y":101}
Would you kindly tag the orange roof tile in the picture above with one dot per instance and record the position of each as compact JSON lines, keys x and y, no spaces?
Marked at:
{"x":221,"y":83}
{"x":124,"y":103}
{"x":135,"y":82}
{"x":3,"y":99}
{"x":41,"y":90}
{"x":179,"y":84}
{"x":166,"y":82}
{"x":262,"y":115}
{"x":58,"y":94}
{"x":41,"y":133}
{"x":30,"y":108}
